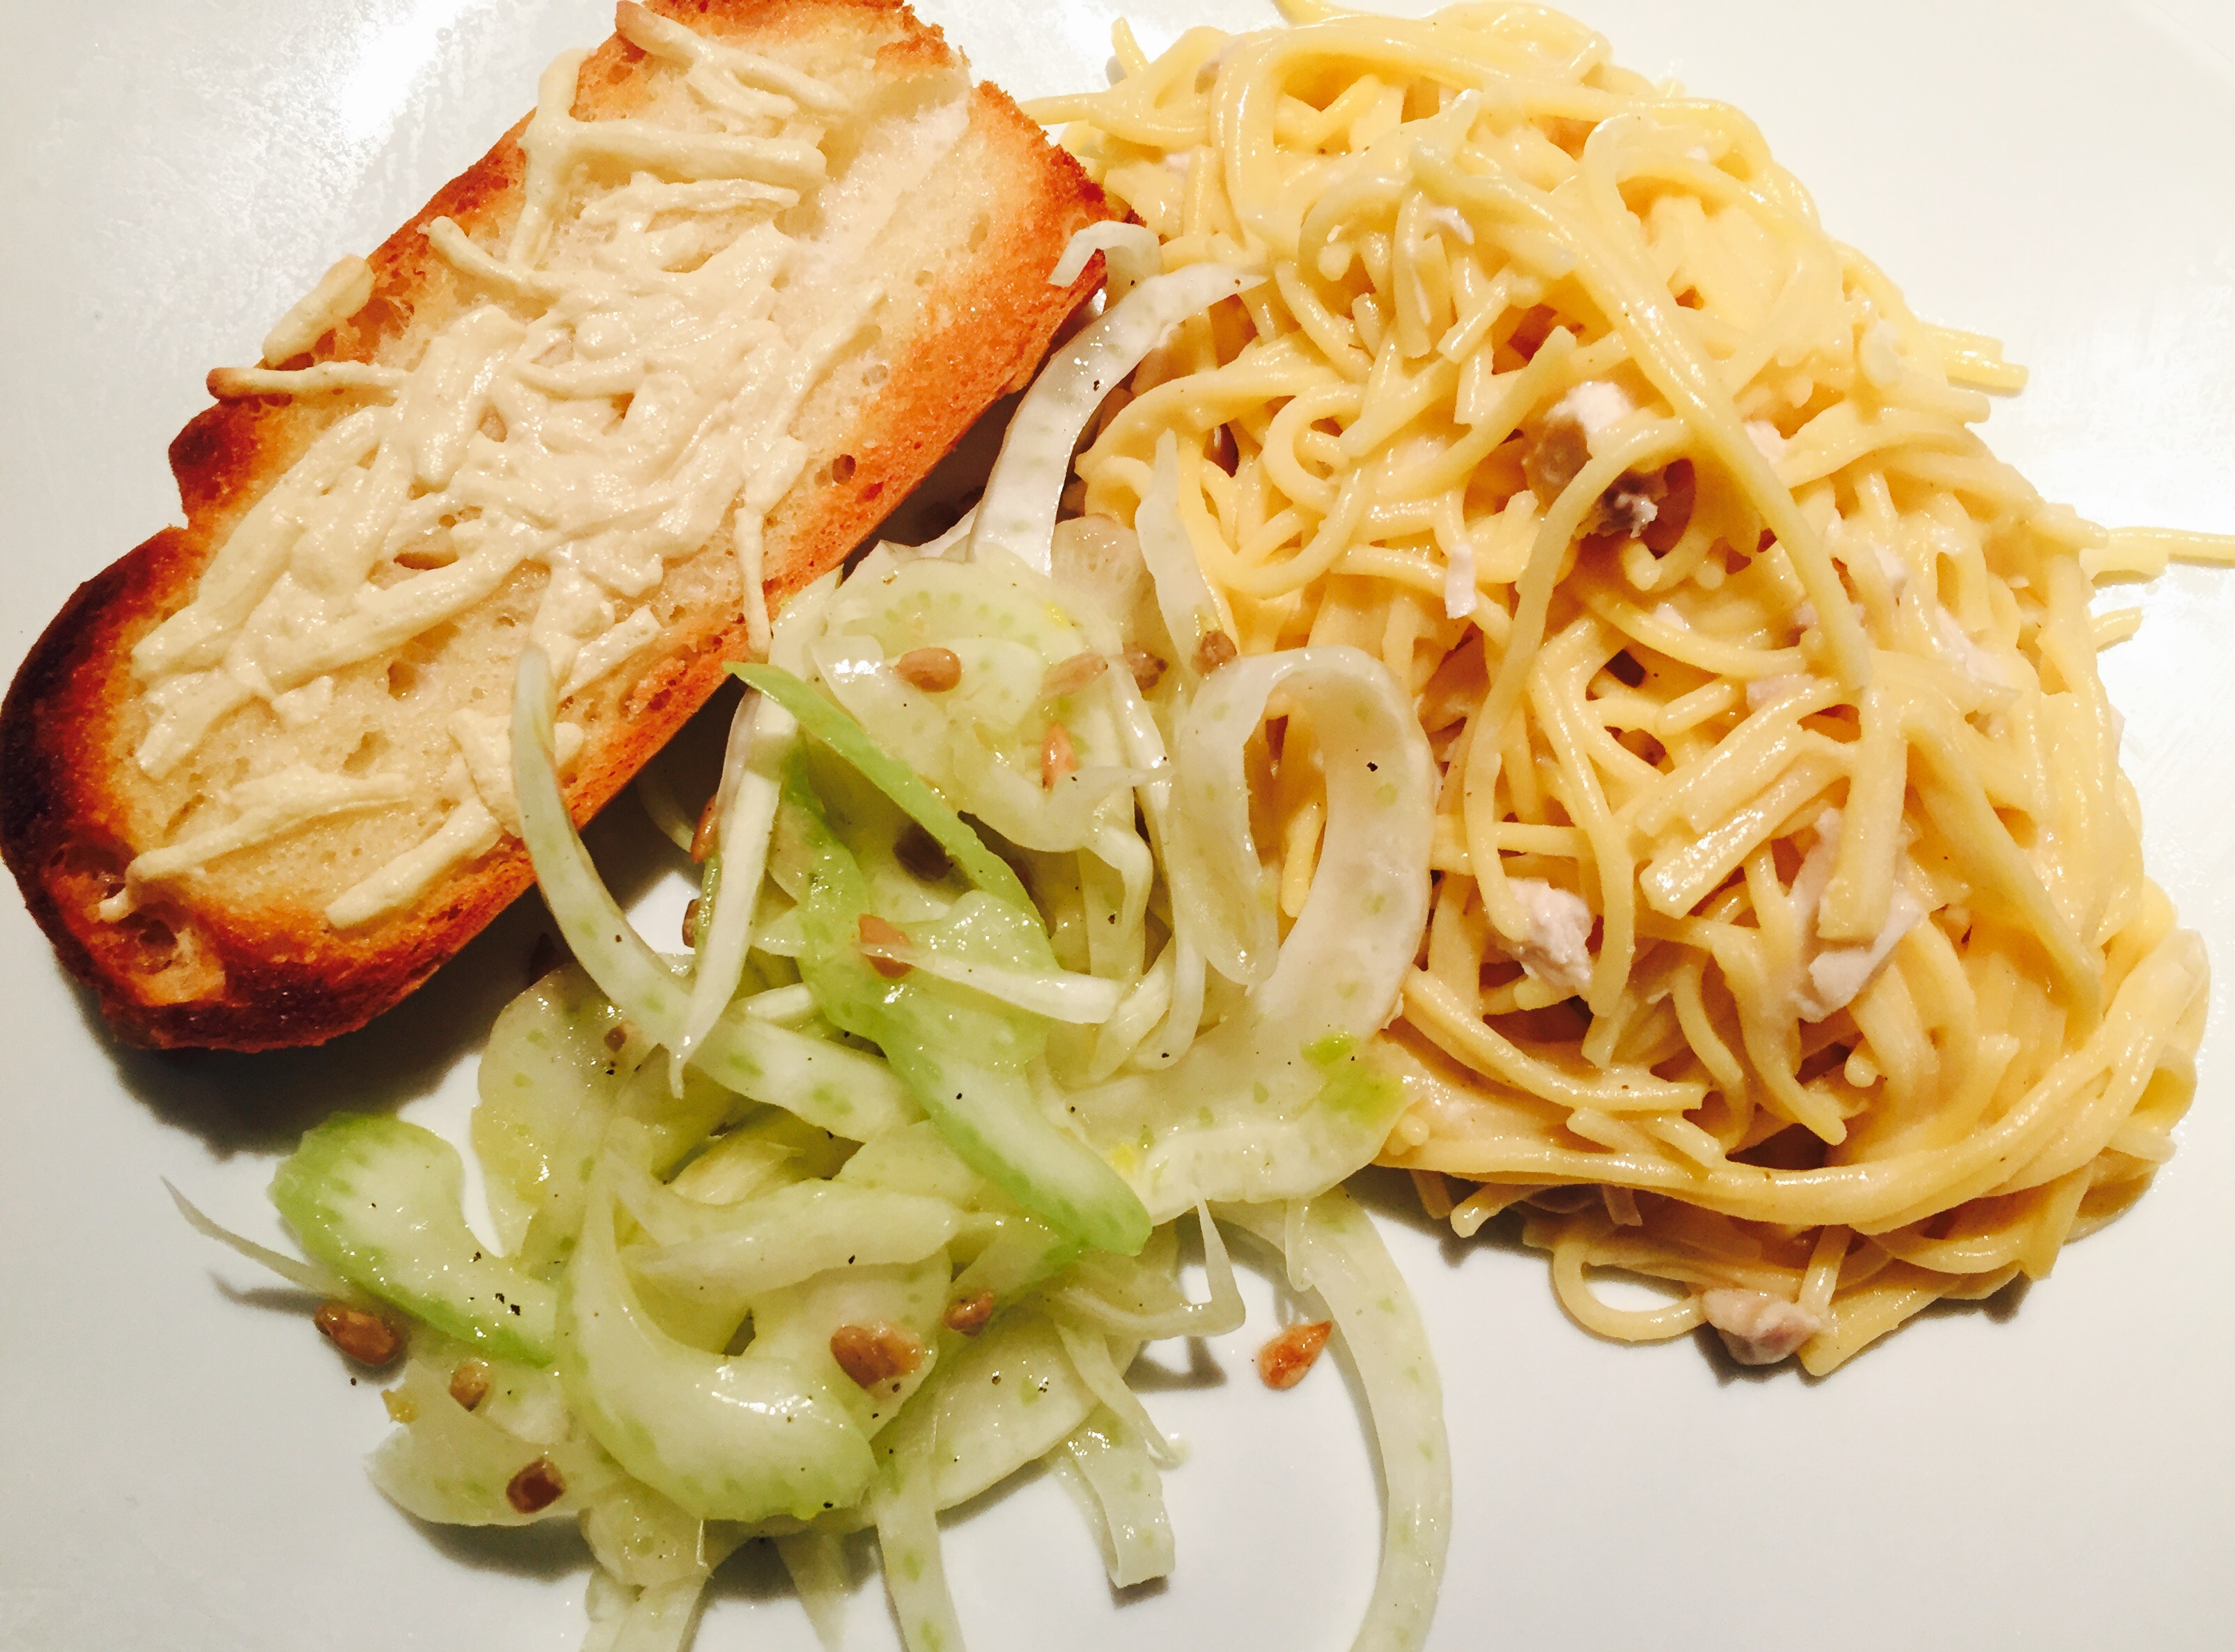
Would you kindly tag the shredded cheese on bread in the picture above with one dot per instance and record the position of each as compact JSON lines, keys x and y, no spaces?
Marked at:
{"x":658,"y":367}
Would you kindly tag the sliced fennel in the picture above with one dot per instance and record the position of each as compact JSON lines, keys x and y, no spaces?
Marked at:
{"x":840,"y":1089}
{"x":1059,"y":994}
{"x":452,"y":1465}
{"x":644,"y":1539}
{"x":1332,"y":1247}
{"x":816,"y":1565}
{"x":760,"y":738}
{"x":1089,"y":1353}
{"x":1124,"y":1492}
{"x":791,"y":1235}
{"x":785,"y":1006}
{"x":658,"y":797}
{"x":905,"y":1507}
{"x":1283,"y":1099}
{"x":1129,"y":251}
{"x":550,"y":1081}
{"x":902,"y":1300}
{"x":661,"y":1617}
{"x":1018,"y":510}
{"x":1145,"y":1303}
{"x":307,"y":1275}
{"x":1007,"y":1398}
{"x":1192,"y":608}
{"x":980,"y":743}
{"x":739,"y":1437}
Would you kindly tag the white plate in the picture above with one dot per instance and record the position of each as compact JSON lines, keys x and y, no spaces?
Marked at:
{"x":179,"y":1460}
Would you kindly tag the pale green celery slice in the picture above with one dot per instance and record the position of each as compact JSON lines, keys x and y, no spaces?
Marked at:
{"x":549,"y":1082}
{"x":1122,"y":1497}
{"x":839,"y":1089}
{"x":964,"y":1060}
{"x":831,"y":725}
{"x":1021,"y":1252}
{"x":789,"y":1236}
{"x":743,"y":1438}
{"x":1332,"y":1247}
{"x":379,"y":1201}
{"x":847,"y":1091}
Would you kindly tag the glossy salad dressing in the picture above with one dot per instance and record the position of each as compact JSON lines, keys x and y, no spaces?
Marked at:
{"x":624,"y":400}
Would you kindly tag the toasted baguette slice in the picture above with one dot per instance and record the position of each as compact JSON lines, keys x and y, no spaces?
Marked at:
{"x":944,"y":195}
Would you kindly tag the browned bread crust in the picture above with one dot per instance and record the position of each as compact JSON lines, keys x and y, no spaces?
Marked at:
{"x":248,"y":974}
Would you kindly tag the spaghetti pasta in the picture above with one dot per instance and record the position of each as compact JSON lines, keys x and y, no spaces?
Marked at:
{"x":1791,"y":941}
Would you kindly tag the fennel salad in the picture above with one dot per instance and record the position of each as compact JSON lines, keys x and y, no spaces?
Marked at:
{"x":870,"y":1199}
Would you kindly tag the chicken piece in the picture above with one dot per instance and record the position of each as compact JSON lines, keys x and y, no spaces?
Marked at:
{"x":1767,"y":439}
{"x":1628,"y":508}
{"x":1835,"y":975}
{"x":1980,"y":664}
{"x":1849,"y":543}
{"x":1563,"y":445}
{"x":1555,"y":947}
{"x":1759,"y":1328}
